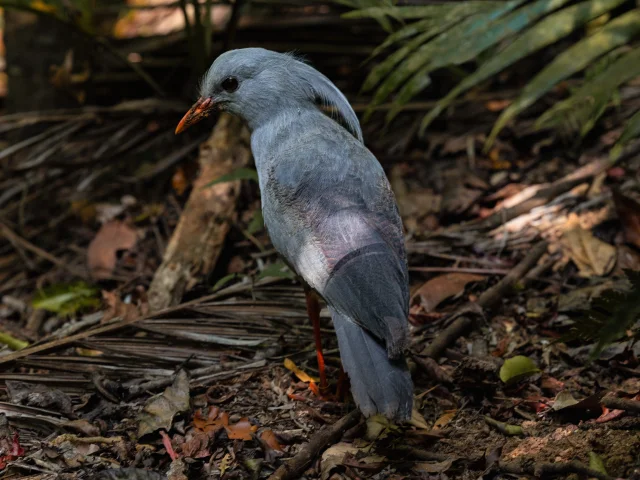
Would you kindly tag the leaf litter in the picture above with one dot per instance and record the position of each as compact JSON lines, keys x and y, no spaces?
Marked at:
{"x":115,"y":398}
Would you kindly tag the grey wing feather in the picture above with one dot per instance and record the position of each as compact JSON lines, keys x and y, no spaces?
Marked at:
{"x":331,"y":212}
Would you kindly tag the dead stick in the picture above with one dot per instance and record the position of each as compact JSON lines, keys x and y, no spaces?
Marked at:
{"x":327,"y":435}
{"x":542,"y":470}
{"x":487,"y":300}
{"x":548,"y":193}
{"x":552,"y":469}
{"x":27,"y":245}
{"x":625,"y":404}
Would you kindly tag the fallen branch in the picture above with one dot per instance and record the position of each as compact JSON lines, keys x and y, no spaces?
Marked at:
{"x":110,"y":327}
{"x":626,"y":404}
{"x":197,"y":241}
{"x":542,"y":470}
{"x":547,"y":193}
{"x":18,"y":241}
{"x":294,"y":467}
{"x":487,"y":300}
{"x":553,"y":469}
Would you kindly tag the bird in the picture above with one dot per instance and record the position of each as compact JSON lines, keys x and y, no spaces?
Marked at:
{"x":329,"y":211}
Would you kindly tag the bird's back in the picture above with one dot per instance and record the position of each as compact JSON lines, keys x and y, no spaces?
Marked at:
{"x":330,"y":212}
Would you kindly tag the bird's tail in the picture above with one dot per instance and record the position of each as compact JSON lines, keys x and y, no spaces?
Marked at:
{"x":378,"y":384}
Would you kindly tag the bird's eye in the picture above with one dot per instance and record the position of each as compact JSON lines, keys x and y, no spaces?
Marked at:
{"x":230,"y":84}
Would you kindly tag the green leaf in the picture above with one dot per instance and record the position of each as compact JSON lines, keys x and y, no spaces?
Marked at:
{"x":631,"y":131}
{"x":66,"y":299}
{"x":596,"y":463}
{"x":382,"y":70}
{"x":462,"y":34}
{"x":586,"y":105}
{"x":473,"y":45}
{"x":615,"y":33}
{"x":256,"y":224}
{"x":364,"y":3}
{"x":12,"y":342}
{"x":517,"y":368}
{"x":609,"y":316}
{"x":224,"y":281}
{"x":422,"y":11}
{"x":505,"y":428}
{"x":546,"y":32}
{"x":239,"y":174}
{"x":276,"y":270}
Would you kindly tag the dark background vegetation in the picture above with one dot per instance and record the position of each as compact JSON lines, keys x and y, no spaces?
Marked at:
{"x":148,"y":328}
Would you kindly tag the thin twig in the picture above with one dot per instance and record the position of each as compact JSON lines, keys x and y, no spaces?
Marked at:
{"x":487,"y":300}
{"x":27,"y":245}
{"x":329,"y":434}
{"x":480,"y":271}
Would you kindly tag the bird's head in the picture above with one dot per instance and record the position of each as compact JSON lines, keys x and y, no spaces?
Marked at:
{"x":258,"y":84}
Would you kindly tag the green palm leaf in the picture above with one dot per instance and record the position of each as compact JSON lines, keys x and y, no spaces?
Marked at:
{"x":615,"y":33}
{"x":419,"y":12}
{"x":445,"y":42}
{"x":546,"y":32}
{"x":586,"y":105}
{"x":491,"y":35}
{"x":631,"y":131}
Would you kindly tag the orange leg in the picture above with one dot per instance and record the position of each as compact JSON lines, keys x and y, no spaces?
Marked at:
{"x":313,"y":310}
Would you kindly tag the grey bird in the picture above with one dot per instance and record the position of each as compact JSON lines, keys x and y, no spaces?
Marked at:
{"x":329,"y":211}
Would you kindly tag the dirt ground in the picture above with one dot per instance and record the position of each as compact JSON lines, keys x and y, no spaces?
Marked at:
{"x":150,"y":330}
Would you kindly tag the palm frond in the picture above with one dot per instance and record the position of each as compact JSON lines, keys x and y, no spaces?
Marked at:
{"x":609,"y":316}
{"x":75,"y":12}
{"x":631,"y":131}
{"x":497,"y":35}
{"x":426,"y":57}
{"x":585,"y":106}
{"x":617,"y":32}
{"x":546,"y":32}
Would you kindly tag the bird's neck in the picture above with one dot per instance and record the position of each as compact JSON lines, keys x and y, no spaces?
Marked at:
{"x":270,"y":131}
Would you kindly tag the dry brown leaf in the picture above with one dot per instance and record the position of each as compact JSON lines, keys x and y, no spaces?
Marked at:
{"x":439,"y":288}
{"x":241,"y":430}
{"x":216,"y":420}
{"x":179,"y":181}
{"x":83,"y":426}
{"x":433,"y":467}
{"x":197,"y":446}
{"x":417,"y":420}
{"x":159,"y":410}
{"x":334,"y":456}
{"x":112,"y":237}
{"x":591,"y":255}
{"x":270,"y":439}
{"x":444,"y":419}
{"x":209,"y":422}
{"x":117,"y":308}
{"x":497,"y":105}
{"x":412,"y":204}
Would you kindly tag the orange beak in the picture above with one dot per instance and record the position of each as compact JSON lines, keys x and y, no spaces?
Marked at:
{"x":201,"y":109}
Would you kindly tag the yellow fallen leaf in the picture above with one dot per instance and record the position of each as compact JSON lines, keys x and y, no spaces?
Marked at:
{"x":417,"y":420}
{"x":444,"y":419}
{"x":591,"y":255}
{"x":301,"y":374}
{"x":40,"y":6}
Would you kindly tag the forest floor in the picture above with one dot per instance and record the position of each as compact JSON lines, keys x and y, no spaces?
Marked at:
{"x":152,"y":332}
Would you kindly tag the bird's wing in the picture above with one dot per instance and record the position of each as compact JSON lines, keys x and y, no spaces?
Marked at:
{"x":330,"y":211}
